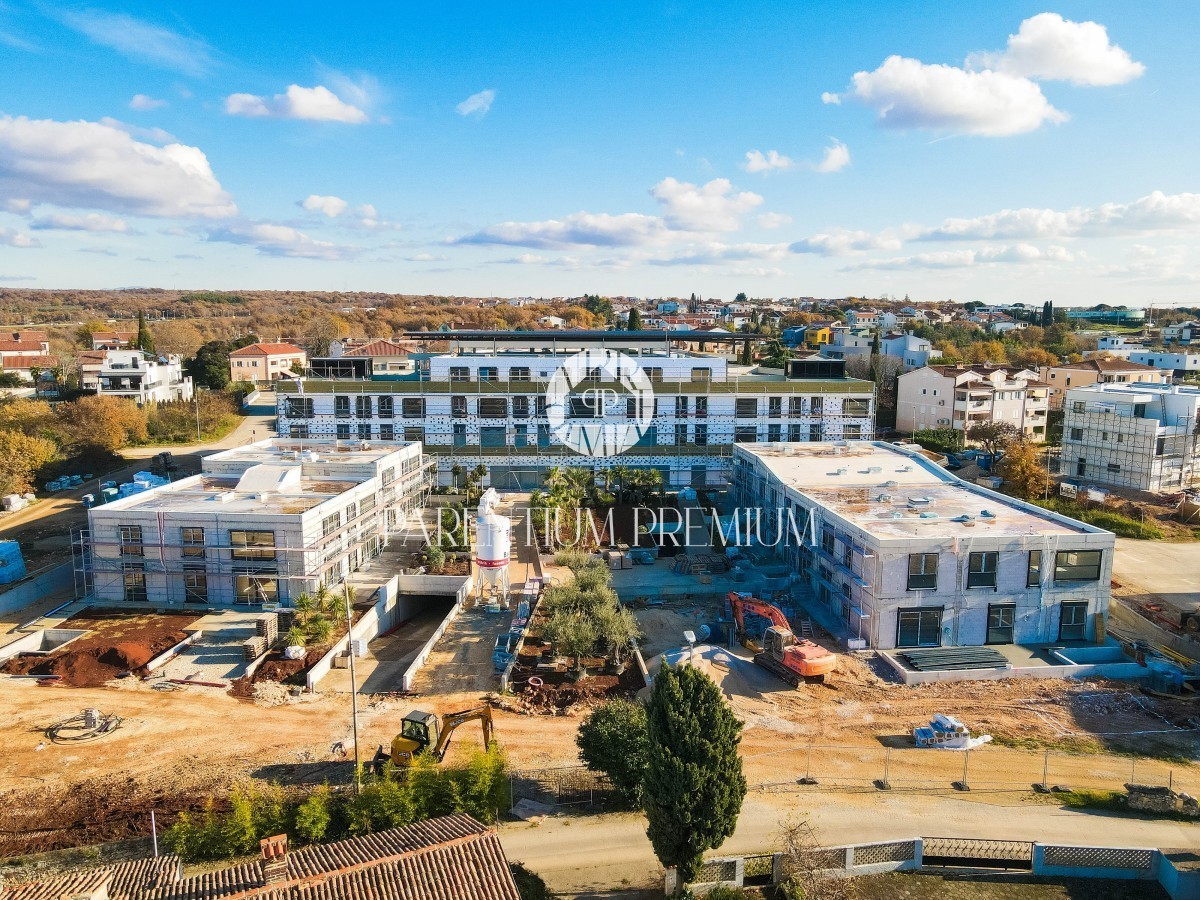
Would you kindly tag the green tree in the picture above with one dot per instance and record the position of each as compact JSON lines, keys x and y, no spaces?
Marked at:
{"x":635,"y":320}
{"x":747,"y":358}
{"x":613,"y":740}
{"x":210,"y":366}
{"x":993,"y":437}
{"x":740,"y":298}
{"x":145,"y":340}
{"x":1022,"y":468}
{"x":694,"y":786}
{"x":313,"y":815}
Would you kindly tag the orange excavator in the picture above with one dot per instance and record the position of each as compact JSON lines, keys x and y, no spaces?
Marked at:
{"x":782,"y":652}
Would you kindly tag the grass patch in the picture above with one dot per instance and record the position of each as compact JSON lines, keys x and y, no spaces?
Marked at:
{"x":1118,"y":524}
{"x":1081,"y":746}
{"x":1113,"y":801}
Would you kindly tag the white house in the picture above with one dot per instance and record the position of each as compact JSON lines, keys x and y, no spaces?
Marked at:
{"x":960,"y":396}
{"x":912,"y":351}
{"x":142,"y":377}
{"x":551,"y":322}
{"x":1179,"y":364}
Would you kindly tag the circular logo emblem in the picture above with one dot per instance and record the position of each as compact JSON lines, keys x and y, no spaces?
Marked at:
{"x":599,"y":402}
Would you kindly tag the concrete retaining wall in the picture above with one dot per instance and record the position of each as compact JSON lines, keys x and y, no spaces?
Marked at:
{"x":1085,"y":670}
{"x":168,"y":655}
{"x":37,"y":586}
{"x":410,"y":674}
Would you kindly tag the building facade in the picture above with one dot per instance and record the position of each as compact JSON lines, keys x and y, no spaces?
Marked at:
{"x":1180,"y":364}
{"x":266,"y":362}
{"x":961,"y":396}
{"x":1139,"y":436}
{"x":1098,"y":370}
{"x":904,"y":554}
{"x":142,"y":377}
{"x":912,"y":351}
{"x":260,"y":524}
{"x":485,"y":402}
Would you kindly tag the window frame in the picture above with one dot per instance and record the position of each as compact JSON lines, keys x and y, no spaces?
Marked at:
{"x":242,"y":548}
{"x":1061,"y":566}
{"x":979,"y":578}
{"x":923,"y":559}
{"x":1033,"y":570}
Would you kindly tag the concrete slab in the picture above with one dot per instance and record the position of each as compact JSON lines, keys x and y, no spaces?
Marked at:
{"x":217,"y":656}
{"x":1158,"y":572}
{"x":388,"y":657}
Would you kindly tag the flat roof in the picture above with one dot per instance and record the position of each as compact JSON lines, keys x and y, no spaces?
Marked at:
{"x":284,"y":451}
{"x":894,"y":493}
{"x":220,"y":495}
{"x":565,"y":336}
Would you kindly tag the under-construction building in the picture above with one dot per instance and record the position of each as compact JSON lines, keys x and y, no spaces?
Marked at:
{"x":261,"y":524}
{"x":489,"y":400}
{"x":1139,"y":436}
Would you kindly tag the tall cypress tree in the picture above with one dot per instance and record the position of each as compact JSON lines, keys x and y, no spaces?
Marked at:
{"x":635,"y":320}
{"x":694,"y":786}
{"x":145,"y":341}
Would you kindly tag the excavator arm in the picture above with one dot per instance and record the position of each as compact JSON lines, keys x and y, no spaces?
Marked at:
{"x":452,"y":721}
{"x":742,"y":605}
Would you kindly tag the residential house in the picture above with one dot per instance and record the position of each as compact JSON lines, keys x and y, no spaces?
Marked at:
{"x":818,"y":335}
{"x":1181,"y":333}
{"x":850,"y":343}
{"x":113,"y":340}
{"x":940,"y":396}
{"x":23,"y":356}
{"x":1097,"y":370}
{"x":266,"y":362}
{"x":1179,"y":364}
{"x":912,"y":351}
{"x":551,"y":322}
{"x":862,"y":318}
{"x":28,"y":337}
{"x":1140,"y":436}
{"x":895,"y":552}
{"x":143,"y":377}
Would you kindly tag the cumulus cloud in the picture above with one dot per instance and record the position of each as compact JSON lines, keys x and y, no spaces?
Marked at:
{"x":714,"y":206}
{"x":771,"y":161}
{"x":271,"y":239}
{"x":844,"y":242}
{"x":907,"y":93}
{"x":1048,"y":47}
{"x":773,"y":220}
{"x":95,"y":222}
{"x":146,"y":103}
{"x":154,"y":134}
{"x":577,"y":229}
{"x":142,"y":41}
{"x":97,"y":166}
{"x":314,"y":104}
{"x":477,"y":105}
{"x":836,"y":158}
{"x":18,"y":205}
{"x":713,"y":252}
{"x":326,"y":205}
{"x":11,"y":238}
{"x":963,"y":259}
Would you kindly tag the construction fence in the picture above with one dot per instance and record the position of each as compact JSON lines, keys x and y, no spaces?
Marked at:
{"x":811,"y":767}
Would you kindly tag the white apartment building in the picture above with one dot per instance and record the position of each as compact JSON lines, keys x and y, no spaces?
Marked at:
{"x":260,"y":524}
{"x":142,"y":377}
{"x":961,"y":396}
{"x":1178,"y":364}
{"x":485,"y":402}
{"x":904,"y":554}
{"x":1097,"y":370}
{"x":1181,"y":333}
{"x":912,"y":351}
{"x":850,"y":343}
{"x":1140,"y":436}
{"x":1115,"y":345}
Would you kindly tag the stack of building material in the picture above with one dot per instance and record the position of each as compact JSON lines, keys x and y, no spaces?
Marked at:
{"x":945,"y":659}
{"x":267,"y":628}
{"x":254,"y":648}
{"x":285,"y":619}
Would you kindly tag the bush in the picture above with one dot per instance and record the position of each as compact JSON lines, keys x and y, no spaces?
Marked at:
{"x":612,"y":740}
{"x":313,"y":815}
{"x":529,"y":884}
{"x":724,"y":892}
{"x":572,"y":559}
{"x":940,"y":440}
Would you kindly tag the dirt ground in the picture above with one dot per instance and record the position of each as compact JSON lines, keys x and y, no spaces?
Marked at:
{"x":119,"y":642}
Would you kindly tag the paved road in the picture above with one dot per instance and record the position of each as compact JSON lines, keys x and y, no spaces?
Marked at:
{"x":1170,"y":572}
{"x":610,"y":851}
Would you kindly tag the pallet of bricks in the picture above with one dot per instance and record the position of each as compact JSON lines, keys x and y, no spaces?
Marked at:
{"x":267,"y":628}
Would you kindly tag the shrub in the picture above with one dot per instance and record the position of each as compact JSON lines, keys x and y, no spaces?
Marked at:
{"x":529,"y":884}
{"x":313,"y":815}
{"x":612,"y":740}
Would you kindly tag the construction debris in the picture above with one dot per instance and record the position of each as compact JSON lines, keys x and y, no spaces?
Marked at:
{"x":87,"y":726}
{"x":948,"y":733}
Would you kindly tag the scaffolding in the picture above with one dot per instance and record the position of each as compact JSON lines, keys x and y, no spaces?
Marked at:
{"x":1130,"y":451}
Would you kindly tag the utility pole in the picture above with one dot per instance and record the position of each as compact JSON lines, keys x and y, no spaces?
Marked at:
{"x":197,"y":390}
{"x":353,"y":686}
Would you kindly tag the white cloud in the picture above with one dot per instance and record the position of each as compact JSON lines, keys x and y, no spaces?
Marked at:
{"x":16,"y":205}
{"x":314,"y":104}
{"x":836,"y":158}
{"x":773,"y":220}
{"x":156,"y":135}
{"x":143,"y":41}
{"x":425,"y":257}
{"x":577,"y":229}
{"x":146,"y":103}
{"x":907,"y":93}
{"x":830,"y":98}
{"x":11,"y":238}
{"x":713,"y":252}
{"x":965,"y":259}
{"x":1154,"y":212}
{"x":326,"y":205}
{"x":771,"y":161}
{"x":709,"y":207}
{"x":1048,"y":47}
{"x":843,"y":242}
{"x":477,"y":105}
{"x":93,"y":165}
{"x":271,"y":239}
{"x":96,"y":222}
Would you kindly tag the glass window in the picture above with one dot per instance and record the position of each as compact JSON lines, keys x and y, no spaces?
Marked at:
{"x":702,"y":375}
{"x":341,"y":407}
{"x":746,"y":407}
{"x":131,"y":540}
{"x":458,"y":407}
{"x":827,"y":541}
{"x":252,"y":544}
{"x":298,"y":431}
{"x":489,"y":373}
{"x":413,"y":407}
{"x":817,"y":405}
{"x":680,"y":435}
{"x":1077,"y":434}
{"x":1072,"y":622}
{"x":343,"y":432}
{"x":362,"y":407}
{"x":519,"y":373}
{"x":414,"y":433}
{"x":981,"y":569}
{"x":493,"y":407}
{"x":1033,"y":575}
{"x":852,"y":432}
{"x":492,"y":436}
{"x":387,"y":432}
{"x":701,"y":407}
{"x":1077,"y":565}
{"x":135,"y":583}
{"x":193,"y":542}
{"x":681,"y":406}
{"x":774,"y":433}
{"x":387,"y":407}
{"x":745,"y":434}
{"x":1001,"y":617}
{"x":919,"y":628}
{"x":520,"y":407}
{"x":460,"y":373}
{"x":774,"y":407}
{"x":459,"y":438}
{"x":702,"y":435}
{"x":364,"y":431}
{"x":520,"y":435}
{"x":300,"y":407}
{"x":922,"y":571}
{"x":257,"y":587}
{"x":857,"y":408}
{"x":796,"y":406}
{"x":195,"y":587}
{"x":654,"y":373}
{"x":795,"y":433}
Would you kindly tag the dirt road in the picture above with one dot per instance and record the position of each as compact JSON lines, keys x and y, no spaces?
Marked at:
{"x":605,"y":851}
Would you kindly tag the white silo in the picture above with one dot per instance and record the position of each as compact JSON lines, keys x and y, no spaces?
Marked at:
{"x":493,"y":541}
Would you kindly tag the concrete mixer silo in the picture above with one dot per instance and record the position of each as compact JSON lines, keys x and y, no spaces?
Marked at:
{"x":493,"y":541}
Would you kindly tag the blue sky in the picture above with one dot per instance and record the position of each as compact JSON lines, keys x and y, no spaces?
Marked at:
{"x":1009,"y":151}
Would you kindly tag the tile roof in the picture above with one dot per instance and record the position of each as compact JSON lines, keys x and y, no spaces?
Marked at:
{"x":113,"y":335}
{"x":267,"y":350}
{"x":449,"y":858}
{"x":27,"y":362}
{"x":378,"y":347}
{"x":19,"y":346}
{"x":1105,"y":364}
{"x":38,"y":336}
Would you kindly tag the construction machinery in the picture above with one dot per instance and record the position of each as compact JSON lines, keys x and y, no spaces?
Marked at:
{"x":424,"y":732}
{"x":781,"y":652}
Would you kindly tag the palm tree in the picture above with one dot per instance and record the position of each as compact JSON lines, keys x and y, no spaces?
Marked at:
{"x":304,"y":606}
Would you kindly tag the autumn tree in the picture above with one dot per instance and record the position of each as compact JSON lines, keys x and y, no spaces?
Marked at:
{"x":102,"y":422}
{"x":694,"y":786}
{"x":177,"y":338}
{"x":21,"y":458}
{"x":1024,"y":470}
{"x":993,"y":437}
{"x":321,"y":332}
{"x":31,"y":417}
